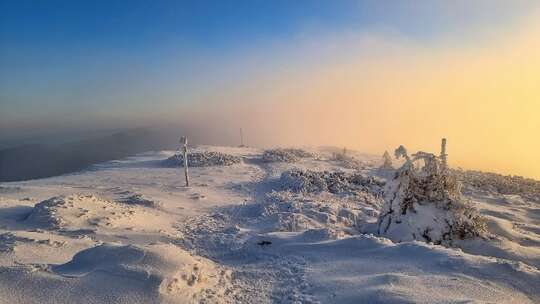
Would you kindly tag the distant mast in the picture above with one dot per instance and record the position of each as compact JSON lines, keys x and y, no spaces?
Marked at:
{"x":241,"y":138}
{"x":443,"y":155}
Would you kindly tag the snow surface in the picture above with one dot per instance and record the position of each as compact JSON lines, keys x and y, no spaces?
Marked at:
{"x":128,"y":231}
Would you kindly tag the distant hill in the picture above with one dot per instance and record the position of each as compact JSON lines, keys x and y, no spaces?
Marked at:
{"x":41,"y":160}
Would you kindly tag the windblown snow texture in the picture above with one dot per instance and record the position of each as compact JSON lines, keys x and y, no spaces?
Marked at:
{"x":128,"y":231}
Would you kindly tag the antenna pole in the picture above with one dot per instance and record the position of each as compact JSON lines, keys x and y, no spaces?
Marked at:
{"x":241,"y":138}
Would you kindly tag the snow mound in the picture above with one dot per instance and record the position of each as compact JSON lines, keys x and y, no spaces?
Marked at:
{"x":425,"y":203}
{"x":164,"y":269}
{"x":285,"y":155}
{"x":308,"y":181}
{"x":111,"y":273}
{"x":89,"y":212}
{"x":203,"y":159}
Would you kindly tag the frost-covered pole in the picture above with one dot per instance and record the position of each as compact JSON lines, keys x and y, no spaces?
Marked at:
{"x":443,"y":153}
{"x":183,"y":141}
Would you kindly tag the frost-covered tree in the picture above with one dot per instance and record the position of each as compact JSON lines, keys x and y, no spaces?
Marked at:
{"x":402,"y":152}
{"x":387,"y":161}
{"x":423,"y":202}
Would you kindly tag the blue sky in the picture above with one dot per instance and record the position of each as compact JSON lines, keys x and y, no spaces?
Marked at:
{"x":217,"y":24}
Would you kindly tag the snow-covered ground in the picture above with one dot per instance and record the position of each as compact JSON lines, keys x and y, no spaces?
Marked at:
{"x":128,"y":231}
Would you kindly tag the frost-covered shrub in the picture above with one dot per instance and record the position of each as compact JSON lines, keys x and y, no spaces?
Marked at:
{"x":423,"y":202}
{"x":492,"y":182}
{"x":203,"y":159}
{"x":303,"y":181}
{"x":285,"y":155}
{"x":307,"y":181}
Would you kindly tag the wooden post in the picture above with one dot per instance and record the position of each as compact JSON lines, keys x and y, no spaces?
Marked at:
{"x":443,"y":153}
{"x":184,"y":141}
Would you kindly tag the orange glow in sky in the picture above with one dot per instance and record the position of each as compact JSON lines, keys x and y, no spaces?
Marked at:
{"x":484,"y":97}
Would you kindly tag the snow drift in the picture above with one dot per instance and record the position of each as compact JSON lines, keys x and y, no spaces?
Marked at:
{"x":111,"y":273}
